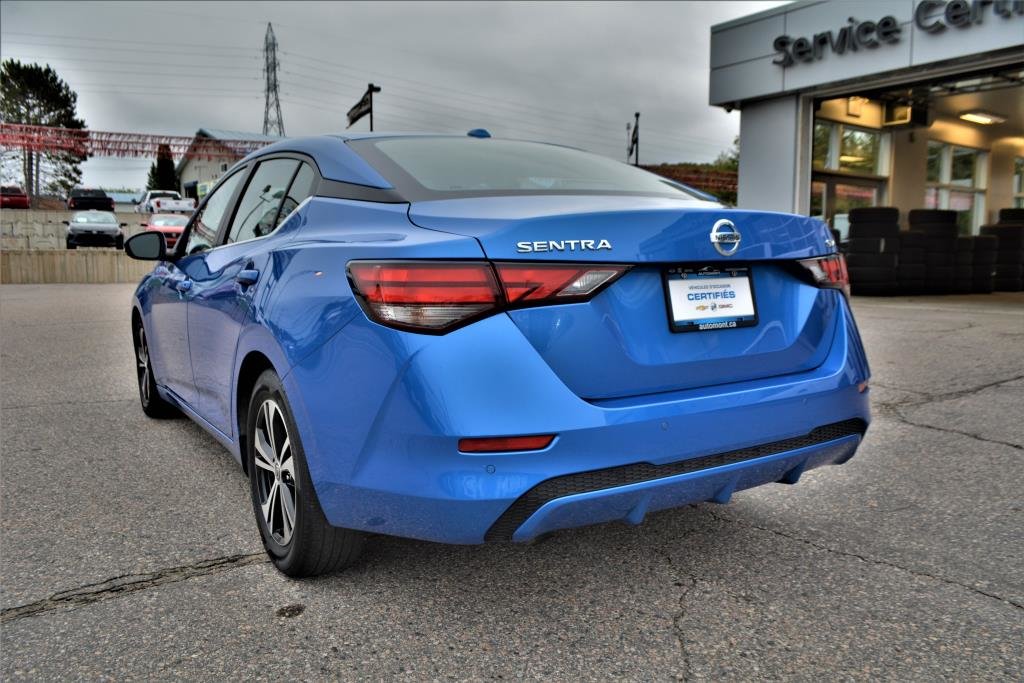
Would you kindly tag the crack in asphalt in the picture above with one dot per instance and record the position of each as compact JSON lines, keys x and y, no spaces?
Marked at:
{"x":129,"y":583}
{"x":895,"y":409}
{"x":897,"y":412}
{"x":677,"y":617}
{"x":865,"y":558}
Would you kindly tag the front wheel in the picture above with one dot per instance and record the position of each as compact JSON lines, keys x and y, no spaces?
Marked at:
{"x":119,"y":243}
{"x":295,"y":533}
{"x":152,"y":403}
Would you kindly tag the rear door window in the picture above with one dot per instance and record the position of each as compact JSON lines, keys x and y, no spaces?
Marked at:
{"x":258,"y":211}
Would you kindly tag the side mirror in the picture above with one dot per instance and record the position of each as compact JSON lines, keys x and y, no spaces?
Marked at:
{"x":146,"y":246}
{"x":66,"y":222}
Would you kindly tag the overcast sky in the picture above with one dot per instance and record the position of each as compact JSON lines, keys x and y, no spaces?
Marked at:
{"x":571,"y":73}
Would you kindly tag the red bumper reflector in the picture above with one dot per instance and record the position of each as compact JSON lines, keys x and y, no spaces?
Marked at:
{"x":497,"y":444}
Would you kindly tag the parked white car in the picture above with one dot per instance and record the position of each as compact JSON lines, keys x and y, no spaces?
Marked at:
{"x":165,"y":201}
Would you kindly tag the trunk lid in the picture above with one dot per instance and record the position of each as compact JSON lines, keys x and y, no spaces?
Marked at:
{"x":620,"y":344}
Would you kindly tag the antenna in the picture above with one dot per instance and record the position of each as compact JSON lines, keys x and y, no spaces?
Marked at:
{"x":273,"y":122}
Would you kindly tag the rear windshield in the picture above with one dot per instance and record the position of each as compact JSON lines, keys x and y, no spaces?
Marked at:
{"x":11,"y":189}
{"x":88,"y":193}
{"x":457,"y":166}
{"x":94,"y":217}
{"x":168,"y":221}
{"x":163,"y":195}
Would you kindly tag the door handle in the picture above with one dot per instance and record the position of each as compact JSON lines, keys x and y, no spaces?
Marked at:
{"x":183,"y":285}
{"x":247,"y":277}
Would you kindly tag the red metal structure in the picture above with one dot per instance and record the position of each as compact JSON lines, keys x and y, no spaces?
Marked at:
{"x":16,"y":136}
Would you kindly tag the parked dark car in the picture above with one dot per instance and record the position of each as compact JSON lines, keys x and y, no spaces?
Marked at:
{"x":82,"y":199}
{"x":13,"y":197}
{"x":94,"y":229}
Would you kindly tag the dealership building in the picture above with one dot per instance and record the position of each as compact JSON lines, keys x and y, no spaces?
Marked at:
{"x":905,"y":103}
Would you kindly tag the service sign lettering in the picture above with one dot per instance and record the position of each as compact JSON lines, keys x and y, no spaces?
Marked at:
{"x":931,"y":16}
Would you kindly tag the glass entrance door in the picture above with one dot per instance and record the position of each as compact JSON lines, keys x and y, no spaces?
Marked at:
{"x":832,"y":197}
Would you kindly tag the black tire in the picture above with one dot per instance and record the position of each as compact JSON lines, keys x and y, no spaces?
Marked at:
{"x":963,"y":258}
{"x":947,"y":231}
{"x":1011,"y":215}
{"x":963,"y":272}
{"x":1010,"y":258}
{"x":910,"y":239}
{"x":871,"y":260}
{"x":964,"y":243}
{"x":1007,"y":284}
{"x":864,"y":275}
{"x":983,"y":286}
{"x":71,"y":246}
{"x":310,"y":546}
{"x":1009,"y":271}
{"x":986,"y":258}
{"x":931,"y":216}
{"x":912,"y":286}
{"x":860,"y":230}
{"x":119,"y":244}
{"x":1010,"y":236}
{"x":912,"y":255}
{"x":933,"y":259}
{"x":911,"y":271}
{"x":874,"y":214}
{"x":872,"y":245}
{"x":874,"y":289}
{"x":986,"y":243}
{"x":153,"y":405}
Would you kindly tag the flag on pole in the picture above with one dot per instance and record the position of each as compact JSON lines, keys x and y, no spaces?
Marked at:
{"x":634,"y":139}
{"x":364,"y":106}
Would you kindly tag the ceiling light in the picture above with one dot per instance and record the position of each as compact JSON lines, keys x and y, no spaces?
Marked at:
{"x":983,"y":118}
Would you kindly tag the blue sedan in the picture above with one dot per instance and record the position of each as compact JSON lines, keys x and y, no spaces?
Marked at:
{"x":465,"y":339}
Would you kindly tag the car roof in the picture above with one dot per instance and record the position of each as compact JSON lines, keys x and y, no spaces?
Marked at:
{"x":337,"y":160}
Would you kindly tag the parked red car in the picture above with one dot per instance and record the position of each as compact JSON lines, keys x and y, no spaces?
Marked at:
{"x":13,"y":197}
{"x":169,"y":224}
{"x":82,"y":198}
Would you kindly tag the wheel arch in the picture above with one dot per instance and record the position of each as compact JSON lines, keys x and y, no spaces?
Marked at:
{"x":254,"y":364}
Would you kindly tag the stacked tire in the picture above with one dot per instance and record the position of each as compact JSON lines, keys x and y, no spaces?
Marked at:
{"x":984,"y":261}
{"x":912,"y":271}
{"x":963,"y":269}
{"x":872,"y":250}
{"x":1009,"y":266}
{"x":940,"y":241}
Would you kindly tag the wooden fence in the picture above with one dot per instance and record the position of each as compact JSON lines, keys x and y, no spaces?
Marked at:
{"x":80,"y":266}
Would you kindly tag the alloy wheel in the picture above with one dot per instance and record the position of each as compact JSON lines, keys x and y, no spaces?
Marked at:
{"x":142,"y":365}
{"x":275,"y":472}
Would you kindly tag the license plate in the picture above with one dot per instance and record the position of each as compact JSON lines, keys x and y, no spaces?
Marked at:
{"x":709,"y":298}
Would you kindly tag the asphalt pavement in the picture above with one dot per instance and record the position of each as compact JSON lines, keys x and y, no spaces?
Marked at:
{"x":129,"y":549}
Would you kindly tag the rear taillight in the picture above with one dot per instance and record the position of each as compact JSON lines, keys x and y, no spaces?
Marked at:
{"x":438,"y":296}
{"x":425,"y":296}
{"x":829,"y":272}
{"x":530,"y":283}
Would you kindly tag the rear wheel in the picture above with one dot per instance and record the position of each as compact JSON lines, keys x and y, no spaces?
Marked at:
{"x":295,"y":533}
{"x":152,"y":404}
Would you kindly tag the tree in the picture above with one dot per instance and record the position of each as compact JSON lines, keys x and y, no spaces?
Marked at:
{"x":729,"y":160}
{"x":36,"y":95}
{"x":162,"y":175}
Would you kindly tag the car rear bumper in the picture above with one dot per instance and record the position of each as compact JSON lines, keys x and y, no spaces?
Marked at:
{"x":384,"y":458}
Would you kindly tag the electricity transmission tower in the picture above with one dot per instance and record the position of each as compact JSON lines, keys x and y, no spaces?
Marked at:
{"x":273,"y":122}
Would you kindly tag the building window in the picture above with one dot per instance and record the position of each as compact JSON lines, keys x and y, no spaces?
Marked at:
{"x":1018,"y":183}
{"x":846,"y":149}
{"x":956,"y":178}
{"x":850,"y":165}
